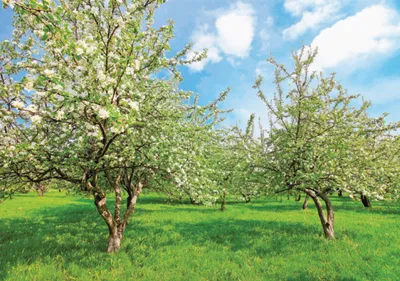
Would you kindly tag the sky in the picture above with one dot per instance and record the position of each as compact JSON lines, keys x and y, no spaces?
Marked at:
{"x":357,"y":39}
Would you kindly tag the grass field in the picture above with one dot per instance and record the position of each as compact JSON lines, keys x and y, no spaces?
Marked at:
{"x":60,"y":237}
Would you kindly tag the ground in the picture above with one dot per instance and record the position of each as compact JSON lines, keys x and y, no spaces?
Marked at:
{"x":59,"y":237}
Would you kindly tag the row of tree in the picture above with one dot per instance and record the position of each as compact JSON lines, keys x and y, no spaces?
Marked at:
{"x":88,"y":97}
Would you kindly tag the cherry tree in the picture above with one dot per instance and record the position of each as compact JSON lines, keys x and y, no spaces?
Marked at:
{"x":319,"y":141}
{"x":99,"y":106}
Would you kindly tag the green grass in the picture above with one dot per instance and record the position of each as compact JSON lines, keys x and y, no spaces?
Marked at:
{"x":60,"y":237}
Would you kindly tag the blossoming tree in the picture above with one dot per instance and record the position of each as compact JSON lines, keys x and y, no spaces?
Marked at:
{"x":320,"y":142}
{"x":98,"y":105}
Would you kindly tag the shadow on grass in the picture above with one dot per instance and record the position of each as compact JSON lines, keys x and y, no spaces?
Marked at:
{"x":276,"y":207}
{"x":377,"y":208}
{"x":76,"y":234}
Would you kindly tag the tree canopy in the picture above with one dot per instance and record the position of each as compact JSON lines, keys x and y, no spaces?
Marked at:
{"x":99,"y":105}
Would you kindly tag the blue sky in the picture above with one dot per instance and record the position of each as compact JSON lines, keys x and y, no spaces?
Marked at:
{"x":357,"y":39}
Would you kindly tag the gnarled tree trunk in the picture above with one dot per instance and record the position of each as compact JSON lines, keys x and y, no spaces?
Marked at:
{"x":327,"y":221}
{"x":116,"y":224}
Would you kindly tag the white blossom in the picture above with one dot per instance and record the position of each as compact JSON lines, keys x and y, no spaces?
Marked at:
{"x":137,"y":64}
{"x":59,"y":98}
{"x":79,"y":51}
{"x":60,"y":114}
{"x":36,"y":119}
{"x":134,"y":105}
{"x":18,"y":104}
{"x":103,"y":113}
{"x":31,"y":108}
{"x":49,"y":72}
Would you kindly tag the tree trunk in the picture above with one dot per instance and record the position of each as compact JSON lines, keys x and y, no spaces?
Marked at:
{"x":116,"y":225}
{"x":340,"y":193}
{"x":305,"y":204}
{"x":327,"y":222}
{"x":247,"y":198}
{"x":114,"y":242}
{"x":40,"y":188}
{"x":365,"y":201}
{"x":298,"y":198}
{"x":223,"y":208}
{"x":193,"y":201}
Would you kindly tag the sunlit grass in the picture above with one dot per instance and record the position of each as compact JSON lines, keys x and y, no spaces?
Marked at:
{"x":60,"y":237}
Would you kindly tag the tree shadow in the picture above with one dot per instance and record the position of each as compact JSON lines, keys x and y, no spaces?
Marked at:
{"x":159,"y":199}
{"x":237,"y":234}
{"x":75,"y":232}
{"x":376,"y":208}
{"x":275,"y":207}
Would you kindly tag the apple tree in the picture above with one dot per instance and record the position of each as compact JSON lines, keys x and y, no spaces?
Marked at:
{"x":89,"y":97}
{"x":321,"y":139}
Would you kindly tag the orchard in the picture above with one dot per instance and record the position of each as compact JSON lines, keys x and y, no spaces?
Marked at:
{"x":93,"y":104}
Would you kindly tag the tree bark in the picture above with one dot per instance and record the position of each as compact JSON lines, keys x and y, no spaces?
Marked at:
{"x":298,"y":198}
{"x":114,"y":241}
{"x":327,"y":221}
{"x":366,"y":202}
{"x":305,"y":204}
{"x":130,"y":207}
{"x":340,"y":193}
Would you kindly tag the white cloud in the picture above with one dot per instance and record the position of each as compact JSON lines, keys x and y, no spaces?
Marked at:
{"x":235,"y":30}
{"x":232,"y":37}
{"x":313,"y":13}
{"x":204,"y":40}
{"x":373,"y":31}
{"x":297,"y":7}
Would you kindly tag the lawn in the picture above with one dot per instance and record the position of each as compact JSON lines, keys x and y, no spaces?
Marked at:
{"x":61,"y":237}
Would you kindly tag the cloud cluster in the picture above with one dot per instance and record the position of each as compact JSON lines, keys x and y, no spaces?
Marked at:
{"x":231,"y":36}
{"x":312,"y":12}
{"x":372,"y":31}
